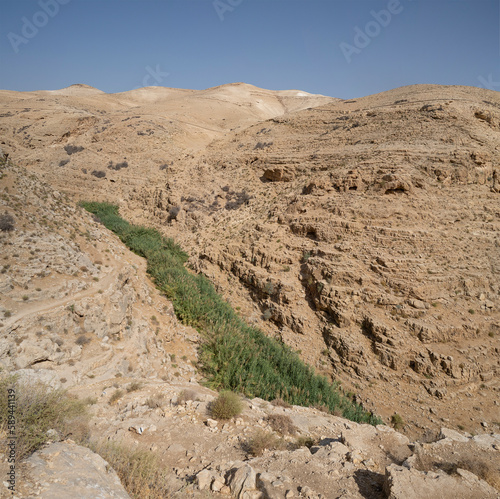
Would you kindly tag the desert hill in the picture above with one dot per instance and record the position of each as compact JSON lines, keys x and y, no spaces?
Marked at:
{"x":78,"y":311}
{"x":362,"y":233}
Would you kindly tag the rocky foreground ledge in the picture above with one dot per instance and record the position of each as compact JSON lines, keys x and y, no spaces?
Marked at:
{"x":209,"y":458}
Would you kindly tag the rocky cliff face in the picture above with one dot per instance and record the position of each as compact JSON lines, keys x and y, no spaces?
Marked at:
{"x":365,"y":234}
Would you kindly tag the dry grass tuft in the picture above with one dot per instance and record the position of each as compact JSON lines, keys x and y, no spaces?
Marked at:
{"x":186,"y":395}
{"x":139,"y":471}
{"x":39,"y":408}
{"x":281,"y":403}
{"x":262,"y":441}
{"x":282,"y":424}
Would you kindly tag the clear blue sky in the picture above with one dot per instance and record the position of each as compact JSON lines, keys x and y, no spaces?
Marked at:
{"x":277,"y":44}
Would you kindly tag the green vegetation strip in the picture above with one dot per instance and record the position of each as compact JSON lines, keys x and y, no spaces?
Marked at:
{"x":234,"y":356}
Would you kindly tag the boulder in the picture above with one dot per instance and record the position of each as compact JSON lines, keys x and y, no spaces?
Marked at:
{"x":403,"y":483}
{"x":63,"y":470}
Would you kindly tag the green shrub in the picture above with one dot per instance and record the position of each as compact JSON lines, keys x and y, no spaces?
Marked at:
{"x":234,"y":356}
{"x":38,"y":408}
{"x":397,"y":421}
{"x":226,"y":406}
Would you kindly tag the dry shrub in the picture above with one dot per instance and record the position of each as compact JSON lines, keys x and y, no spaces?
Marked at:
{"x":304,"y":441}
{"x":139,"y":471}
{"x":261,"y":441}
{"x":6,"y":222}
{"x":484,"y":468}
{"x":397,"y":421}
{"x":115,"y":397}
{"x":226,"y":406}
{"x":280,"y":403}
{"x":134,"y":386}
{"x":186,"y":395}
{"x":39,"y":408}
{"x":282,"y":424}
{"x":155,"y":401}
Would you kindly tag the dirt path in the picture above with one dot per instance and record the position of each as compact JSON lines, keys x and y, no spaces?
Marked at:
{"x":47,"y":305}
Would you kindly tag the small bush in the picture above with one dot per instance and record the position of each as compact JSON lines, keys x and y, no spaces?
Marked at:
{"x":115,"y":397}
{"x":304,"y":441}
{"x":63,"y":162}
{"x":39,"y":409}
{"x":397,"y":421}
{"x":267,"y":314}
{"x":118,"y":166}
{"x":134,"y":386}
{"x":155,"y":401}
{"x":262,"y":145}
{"x":280,"y":403}
{"x":82,"y":340}
{"x":173,"y":212}
{"x":6,"y":222}
{"x":261,"y":441}
{"x":226,"y":406}
{"x":140,"y":472}
{"x":70,"y":149}
{"x":99,"y":173}
{"x":186,"y":395}
{"x":282,"y":424}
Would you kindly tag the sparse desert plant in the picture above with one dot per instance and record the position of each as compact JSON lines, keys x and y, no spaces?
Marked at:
{"x":304,"y":441}
{"x":134,"y":386}
{"x":118,"y":166}
{"x":281,"y":403}
{"x":63,"y":162}
{"x":155,"y":401}
{"x":262,"y":441}
{"x":117,"y":395}
{"x":282,"y":424}
{"x":70,"y":149}
{"x":267,"y":314}
{"x":226,"y":406}
{"x":397,"y":421}
{"x":186,"y":395}
{"x":173,"y":212}
{"x":140,"y":471}
{"x":262,"y":145}
{"x":39,"y":409}
{"x":99,"y":173}
{"x":7,"y":222}
{"x":82,"y":340}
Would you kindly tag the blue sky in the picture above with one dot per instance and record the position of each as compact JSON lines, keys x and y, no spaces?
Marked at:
{"x":341,"y":48}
